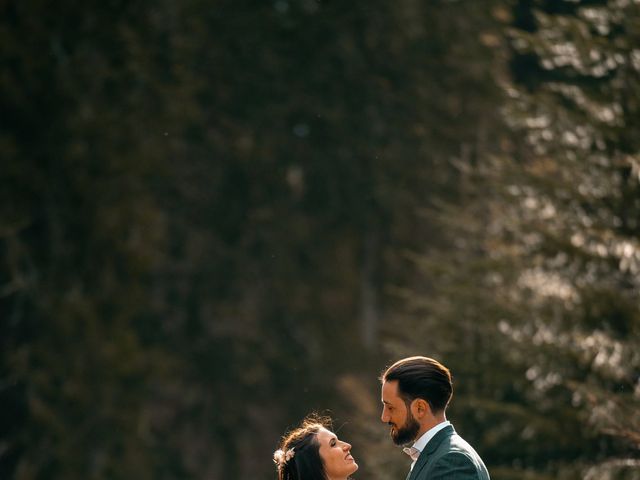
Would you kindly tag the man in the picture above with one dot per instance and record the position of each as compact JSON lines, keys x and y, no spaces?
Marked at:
{"x":415,"y":395}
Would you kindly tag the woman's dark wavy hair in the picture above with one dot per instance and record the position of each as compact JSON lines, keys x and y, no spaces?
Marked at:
{"x":306,"y":463}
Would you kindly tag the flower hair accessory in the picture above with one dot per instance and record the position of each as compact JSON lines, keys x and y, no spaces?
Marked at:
{"x":281,"y":458}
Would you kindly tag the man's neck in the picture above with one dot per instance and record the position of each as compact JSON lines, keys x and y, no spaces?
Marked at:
{"x":424,"y":428}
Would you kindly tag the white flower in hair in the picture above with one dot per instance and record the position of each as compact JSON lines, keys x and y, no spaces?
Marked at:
{"x":281,"y":458}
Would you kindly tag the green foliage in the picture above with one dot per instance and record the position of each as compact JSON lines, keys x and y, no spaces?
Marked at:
{"x":581,"y":120}
{"x":202,"y":204}
{"x":546,"y":253}
{"x":209,"y":211}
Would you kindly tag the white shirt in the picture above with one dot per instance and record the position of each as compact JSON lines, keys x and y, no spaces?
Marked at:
{"x":426,"y":437}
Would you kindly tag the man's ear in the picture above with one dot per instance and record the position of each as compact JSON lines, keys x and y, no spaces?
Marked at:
{"x":420,"y":407}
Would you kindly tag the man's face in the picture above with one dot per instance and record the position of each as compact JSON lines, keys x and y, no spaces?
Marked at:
{"x":404,"y":427}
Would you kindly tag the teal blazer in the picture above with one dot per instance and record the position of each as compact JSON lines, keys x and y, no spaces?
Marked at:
{"x":448,"y":456}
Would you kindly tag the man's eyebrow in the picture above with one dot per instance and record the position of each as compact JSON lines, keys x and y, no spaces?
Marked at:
{"x":386,"y":403}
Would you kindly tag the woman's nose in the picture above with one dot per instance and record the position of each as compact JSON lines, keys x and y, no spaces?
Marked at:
{"x":346,"y":447}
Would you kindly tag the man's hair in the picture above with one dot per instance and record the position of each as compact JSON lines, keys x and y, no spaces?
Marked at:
{"x":306,"y":463}
{"x":421,"y":377}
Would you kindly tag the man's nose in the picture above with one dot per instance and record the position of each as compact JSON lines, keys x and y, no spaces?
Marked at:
{"x":384,"y":417}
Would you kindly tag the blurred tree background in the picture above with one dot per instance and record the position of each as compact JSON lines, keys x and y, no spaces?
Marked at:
{"x":219,"y":216}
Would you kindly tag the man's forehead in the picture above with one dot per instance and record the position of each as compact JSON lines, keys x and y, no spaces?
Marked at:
{"x":389,"y":391}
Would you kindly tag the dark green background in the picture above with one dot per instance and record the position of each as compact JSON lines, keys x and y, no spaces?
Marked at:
{"x":219,"y":216}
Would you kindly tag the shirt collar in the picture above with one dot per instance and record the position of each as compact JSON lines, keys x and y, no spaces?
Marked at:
{"x":429,"y":434}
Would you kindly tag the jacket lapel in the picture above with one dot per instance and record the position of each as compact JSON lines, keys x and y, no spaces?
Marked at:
{"x":431,"y":447}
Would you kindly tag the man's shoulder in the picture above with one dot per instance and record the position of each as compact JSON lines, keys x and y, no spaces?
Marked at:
{"x":454,"y":443}
{"x":455,"y":454}
{"x":457,"y":443}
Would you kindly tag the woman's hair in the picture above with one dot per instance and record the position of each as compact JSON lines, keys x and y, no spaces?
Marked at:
{"x":298,"y":456}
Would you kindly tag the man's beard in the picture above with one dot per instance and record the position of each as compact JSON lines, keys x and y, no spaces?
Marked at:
{"x":407,"y":432}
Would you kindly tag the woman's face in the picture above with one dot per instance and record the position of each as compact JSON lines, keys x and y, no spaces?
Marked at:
{"x":335,"y":455}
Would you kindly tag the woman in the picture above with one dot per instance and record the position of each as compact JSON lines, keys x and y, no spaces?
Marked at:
{"x":313,"y":452}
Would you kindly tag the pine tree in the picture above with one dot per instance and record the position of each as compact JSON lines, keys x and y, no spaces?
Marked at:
{"x":544,"y":263}
{"x":576,"y":98}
